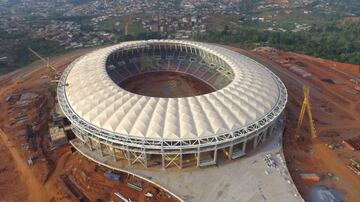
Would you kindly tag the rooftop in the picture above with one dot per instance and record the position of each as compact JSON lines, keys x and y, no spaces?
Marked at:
{"x":254,"y":95}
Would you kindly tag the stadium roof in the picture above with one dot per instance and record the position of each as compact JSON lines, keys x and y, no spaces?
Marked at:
{"x":94,"y":97}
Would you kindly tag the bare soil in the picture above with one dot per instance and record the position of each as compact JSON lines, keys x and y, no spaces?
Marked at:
{"x":90,"y":178}
{"x":336,"y":115}
{"x":41,"y":182}
{"x":166,"y":84}
{"x":10,"y":177}
{"x":37,"y":182}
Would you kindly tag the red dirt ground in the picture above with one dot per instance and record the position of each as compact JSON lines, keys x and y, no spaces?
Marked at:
{"x":41,"y":181}
{"x":10,"y":176}
{"x":38,"y":182}
{"x":90,"y":177}
{"x":336,"y":113}
{"x":337,"y":117}
{"x":166,"y":84}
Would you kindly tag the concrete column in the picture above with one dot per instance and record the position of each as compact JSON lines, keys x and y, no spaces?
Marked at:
{"x":198,"y":159}
{"x":272,"y":129}
{"x":181,"y":160}
{"x":215,"y":155}
{"x":255,"y":141}
{"x":128,"y":156}
{"x":231,"y":151}
{"x":264,"y":135}
{"x":163,"y":161}
{"x":145,"y":159}
{"x":89,"y":141}
{"x":101,"y":149}
{"x":244,"y":146}
{"x":81,"y":135}
{"x":114,"y":154}
{"x":86,"y":140}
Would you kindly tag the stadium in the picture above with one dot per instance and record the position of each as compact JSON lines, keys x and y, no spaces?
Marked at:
{"x":170,"y":103}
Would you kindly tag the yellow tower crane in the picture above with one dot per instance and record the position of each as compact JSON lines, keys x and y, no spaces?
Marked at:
{"x":47,"y":61}
{"x":126,"y":28}
{"x":306,"y":106}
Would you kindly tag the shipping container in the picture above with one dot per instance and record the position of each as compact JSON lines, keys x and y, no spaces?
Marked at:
{"x":112,"y":176}
{"x":310,"y":177}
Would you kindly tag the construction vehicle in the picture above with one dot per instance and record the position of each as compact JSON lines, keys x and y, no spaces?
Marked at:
{"x":52,"y":68}
{"x":306,"y":106}
{"x":354,"y":166}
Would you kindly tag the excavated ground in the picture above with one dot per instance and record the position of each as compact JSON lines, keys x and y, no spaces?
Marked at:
{"x":166,"y":84}
{"x":42,"y":181}
{"x":335,"y":107}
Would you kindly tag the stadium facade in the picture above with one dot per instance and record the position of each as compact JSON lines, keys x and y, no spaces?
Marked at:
{"x":108,"y":120}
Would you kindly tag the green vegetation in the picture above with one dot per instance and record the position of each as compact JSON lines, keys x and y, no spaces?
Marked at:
{"x":42,"y":46}
{"x":144,"y":35}
{"x":340,"y":43}
{"x":19,"y":54}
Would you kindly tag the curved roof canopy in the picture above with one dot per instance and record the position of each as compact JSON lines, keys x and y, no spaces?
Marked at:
{"x":92,"y":95}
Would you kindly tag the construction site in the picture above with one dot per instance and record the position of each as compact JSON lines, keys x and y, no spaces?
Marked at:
{"x":43,"y":163}
{"x":34,"y":134}
{"x":334,"y":95}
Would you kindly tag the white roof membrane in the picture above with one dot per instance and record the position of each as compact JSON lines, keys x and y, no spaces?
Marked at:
{"x":94,"y":96}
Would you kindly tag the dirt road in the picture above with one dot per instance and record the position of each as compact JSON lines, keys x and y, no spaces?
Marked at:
{"x":10,"y":177}
{"x":336,"y":118}
{"x":28,"y":183}
{"x":30,"y":78}
{"x":36,"y":191}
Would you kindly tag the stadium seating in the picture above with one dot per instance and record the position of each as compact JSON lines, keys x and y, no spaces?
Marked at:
{"x":127,"y":63}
